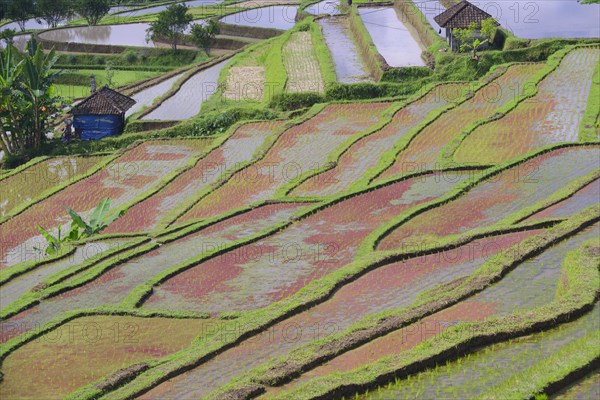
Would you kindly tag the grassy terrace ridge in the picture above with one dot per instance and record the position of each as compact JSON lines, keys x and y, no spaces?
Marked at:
{"x":86,"y":271}
{"x":447,"y":153}
{"x":572,"y":301}
{"x":153,"y":265}
{"x":306,"y":290}
{"x":52,"y":188}
{"x":61,"y":186}
{"x":318,"y":291}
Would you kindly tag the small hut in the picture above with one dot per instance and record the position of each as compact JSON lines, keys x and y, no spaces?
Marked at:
{"x":102,"y":114}
{"x":460,"y":16}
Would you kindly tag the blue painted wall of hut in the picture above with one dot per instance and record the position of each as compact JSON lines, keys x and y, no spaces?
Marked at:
{"x":96,"y":127}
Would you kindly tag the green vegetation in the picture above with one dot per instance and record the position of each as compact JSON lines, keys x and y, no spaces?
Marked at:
{"x":202,"y":36}
{"x":80,"y":229}
{"x":54,"y":11}
{"x":157,"y":363}
{"x":171,"y":24}
{"x":28,"y":99}
{"x":92,"y":10}
{"x":469,"y":39}
{"x":20,"y":11}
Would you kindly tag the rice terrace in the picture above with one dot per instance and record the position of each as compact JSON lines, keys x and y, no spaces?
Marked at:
{"x":299,"y":199}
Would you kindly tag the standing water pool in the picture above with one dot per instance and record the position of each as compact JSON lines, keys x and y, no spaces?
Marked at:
{"x":391,"y":37}
{"x":278,"y":17}
{"x":349,"y":65}
{"x":187,"y":101}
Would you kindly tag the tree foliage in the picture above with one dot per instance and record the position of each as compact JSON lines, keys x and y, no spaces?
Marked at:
{"x":171,"y":24}
{"x":203,"y":35}
{"x":92,"y":10}
{"x":469,"y":40}
{"x":20,"y":11}
{"x":54,"y":11}
{"x":27,"y":97}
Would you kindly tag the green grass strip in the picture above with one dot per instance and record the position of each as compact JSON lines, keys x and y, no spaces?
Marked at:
{"x":86,"y":272}
{"x":446,"y":156}
{"x":389,"y":157}
{"x":10,"y":273}
{"x":386,"y":118}
{"x":6,"y":173}
{"x":55,"y":189}
{"x":459,"y":190}
{"x":323,"y":54}
{"x":317,"y":291}
{"x":176,"y":213}
{"x":465,"y":336}
{"x":589,"y":129}
{"x":566,"y":192}
{"x":11,"y":345}
{"x":367,"y":48}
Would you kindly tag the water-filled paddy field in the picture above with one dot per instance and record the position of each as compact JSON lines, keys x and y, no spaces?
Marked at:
{"x":392,"y":37}
{"x":277,"y":17}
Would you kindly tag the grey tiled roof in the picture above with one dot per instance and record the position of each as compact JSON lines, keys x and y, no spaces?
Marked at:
{"x":104,"y":101}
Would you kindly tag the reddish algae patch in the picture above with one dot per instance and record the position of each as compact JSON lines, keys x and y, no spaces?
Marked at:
{"x":366,"y":153}
{"x":276,"y":267}
{"x":499,"y":197}
{"x":87,"y":349}
{"x":300,"y":149}
{"x":240,"y":147}
{"x":125,"y":178}
{"x":393,"y":286}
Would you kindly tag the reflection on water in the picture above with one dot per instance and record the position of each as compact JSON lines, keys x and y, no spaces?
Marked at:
{"x":349,"y":66}
{"x":187,"y":101}
{"x":20,"y":42}
{"x":278,"y":17}
{"x":157,"y":9}
{"x":29,"y":24}
{"x":34,"y":23}
{"x":391,"y":37}
{"x":325,"y":7}
{"x":116,"y":35}
{"x":542,"y":19}
{"x":147,"y":96}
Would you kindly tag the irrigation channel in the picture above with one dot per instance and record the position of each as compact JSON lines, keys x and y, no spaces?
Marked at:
{"x":187,"y":101}
{"x":277,"y":17}
{"x":349,"y":65}
{"x":391,"y":37}
{"x":146,"y":97}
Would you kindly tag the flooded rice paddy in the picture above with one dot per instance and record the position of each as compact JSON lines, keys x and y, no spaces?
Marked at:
{"x":391,"y":37}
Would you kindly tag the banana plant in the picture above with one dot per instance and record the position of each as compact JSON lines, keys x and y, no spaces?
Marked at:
{"x":79,"y":229}
{"x":10,"y":71}
{"x":99,"y":220}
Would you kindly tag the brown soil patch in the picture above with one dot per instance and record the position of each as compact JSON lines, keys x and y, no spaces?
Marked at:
{"x":245,"y":83}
